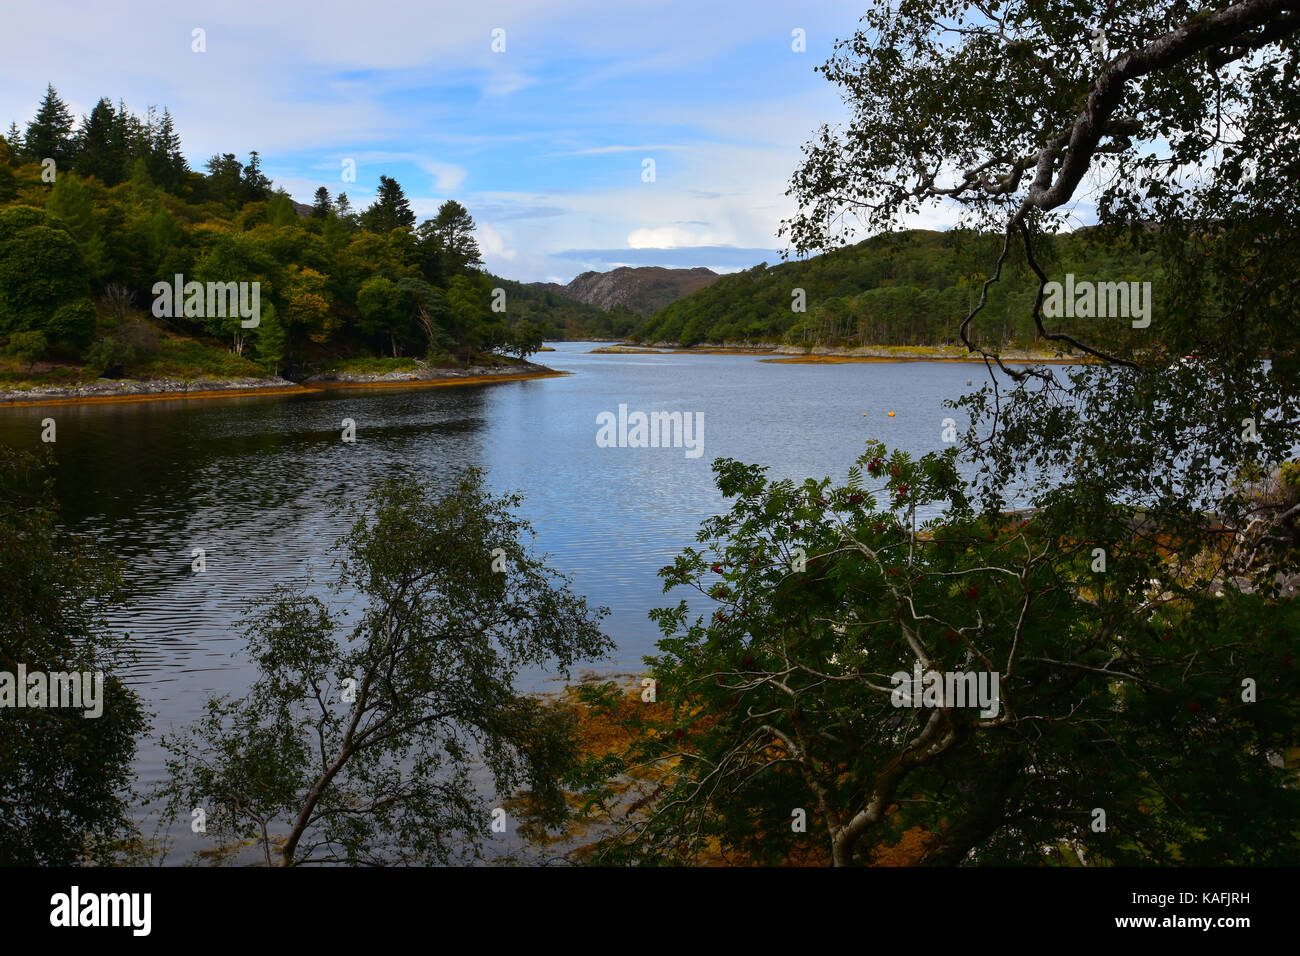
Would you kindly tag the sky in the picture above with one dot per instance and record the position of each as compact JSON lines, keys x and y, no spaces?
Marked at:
{"x":544,"y":141}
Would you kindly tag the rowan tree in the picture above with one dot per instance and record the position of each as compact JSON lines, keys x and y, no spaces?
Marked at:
{"x":1128,"y":688}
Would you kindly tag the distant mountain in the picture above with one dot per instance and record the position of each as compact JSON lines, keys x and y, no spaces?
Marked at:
{"x":561,"y":315}
{"x":644,"y":290}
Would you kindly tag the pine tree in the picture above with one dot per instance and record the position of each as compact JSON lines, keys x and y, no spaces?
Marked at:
{"x":166,"y":164}
{"x":256,"y":187}
{"x":14,"y":138}
{"x":343,"y":210}
{"x":447,"y":243}
{"x":323,"y":207}
{"x":391,"y":210}
{"x":143,"y":134}
{"x":49,"y":134}
{"x":97,"y":154}
{"x":225,"y":174}
{"x":128,"y":138}
{"x":341,"y":223}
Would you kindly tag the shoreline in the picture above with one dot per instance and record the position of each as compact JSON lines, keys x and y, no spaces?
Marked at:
{"x":128,"y":390}
{"x":1010,"y":359}
{"x":790,"y":355}
{"x":479,"y":377}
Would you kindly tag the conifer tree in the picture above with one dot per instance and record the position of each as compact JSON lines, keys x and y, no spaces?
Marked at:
{"x":256,"y":186}
{"x":166,"y":163}
{"x":447,"y":243}
{"x":322,"y":207}
{"x":14,"y":138}
{"x":98,"y":154}
{"x":49,"y":134}
{"x":225,"y":173}
{"x":391,"y":210}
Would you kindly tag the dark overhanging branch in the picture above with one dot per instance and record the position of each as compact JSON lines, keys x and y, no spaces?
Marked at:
{"x":964,"y":329}
{"x":1038,"y":312}
{"x":1275,"y":30}
{"x":1224,"y":36}
{"x":1227,"y":29}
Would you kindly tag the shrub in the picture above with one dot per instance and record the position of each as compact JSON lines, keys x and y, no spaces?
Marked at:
{"x":73,"y":323}
{"x":27,"y":347}
{"x":108,"y":356}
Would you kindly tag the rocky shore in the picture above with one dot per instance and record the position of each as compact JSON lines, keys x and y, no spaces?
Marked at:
{"x":427,"y":374}
{"x":127,"y":390}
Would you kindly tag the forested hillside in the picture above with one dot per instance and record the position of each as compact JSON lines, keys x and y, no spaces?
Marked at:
{"x":911,"y":288}
{"x":561,"y":315}
{"x":94,"y":214}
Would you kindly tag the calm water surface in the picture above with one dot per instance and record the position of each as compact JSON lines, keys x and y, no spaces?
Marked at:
{"x":253,"y":481}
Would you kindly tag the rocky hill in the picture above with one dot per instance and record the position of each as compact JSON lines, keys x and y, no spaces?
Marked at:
{"x":645,"y":289}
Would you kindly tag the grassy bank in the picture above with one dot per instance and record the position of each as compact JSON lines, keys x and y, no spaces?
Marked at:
{"x":175,"y":357}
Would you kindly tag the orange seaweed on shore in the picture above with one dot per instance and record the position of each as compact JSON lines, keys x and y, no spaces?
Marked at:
{"x":612,"y":730}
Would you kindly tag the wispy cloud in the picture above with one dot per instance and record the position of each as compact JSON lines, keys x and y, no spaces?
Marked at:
{"x":542,"y":142}
{"x":717,"y":258}
{"x":598,"y":150}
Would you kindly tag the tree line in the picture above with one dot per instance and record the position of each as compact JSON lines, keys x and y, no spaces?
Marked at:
{"x":93,"y":215}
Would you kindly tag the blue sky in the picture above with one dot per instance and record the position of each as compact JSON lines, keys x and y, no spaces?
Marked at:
{"x":544,"y":142}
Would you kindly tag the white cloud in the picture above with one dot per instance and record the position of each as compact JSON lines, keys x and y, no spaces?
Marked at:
{"x":669,"y":237}
{"x":493,"y":245}
{"x":447,"y":176}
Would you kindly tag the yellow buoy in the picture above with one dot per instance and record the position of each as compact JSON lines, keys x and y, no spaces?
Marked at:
{"x":891,"y":414}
